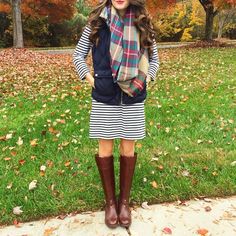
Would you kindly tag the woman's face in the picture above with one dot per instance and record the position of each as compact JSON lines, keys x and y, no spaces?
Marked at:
{"x":120,"y":5}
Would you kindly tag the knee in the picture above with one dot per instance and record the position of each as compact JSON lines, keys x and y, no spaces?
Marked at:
{"x":127,"y":148}
{"x":105,"y":148}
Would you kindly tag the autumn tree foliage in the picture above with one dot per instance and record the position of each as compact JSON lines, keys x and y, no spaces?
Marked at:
{"x":55,"y":10}
{"x":155,"y":6}
{"x":152,"y":5}
{"x":212,"y":8}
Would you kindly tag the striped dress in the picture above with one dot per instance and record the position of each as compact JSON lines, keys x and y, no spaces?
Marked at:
{"x":107,"y":121}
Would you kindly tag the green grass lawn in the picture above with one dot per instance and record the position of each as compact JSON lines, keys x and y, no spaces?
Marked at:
{"x":44,"y":110}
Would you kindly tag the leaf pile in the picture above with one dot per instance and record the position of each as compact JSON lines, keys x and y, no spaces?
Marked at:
{"x":31,"y":73}
{"x":208,"y":44}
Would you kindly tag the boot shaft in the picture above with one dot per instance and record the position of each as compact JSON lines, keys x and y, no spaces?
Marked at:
{"x":127,"y":168}
{"x":106,"y":170}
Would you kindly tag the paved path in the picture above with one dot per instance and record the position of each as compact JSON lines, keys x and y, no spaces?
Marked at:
{"x":159,"y":45}
{"x":208,"y":216}
{"x":70,"y":51}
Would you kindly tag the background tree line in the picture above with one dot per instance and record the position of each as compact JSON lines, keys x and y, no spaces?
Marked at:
{"x":56,"y":23}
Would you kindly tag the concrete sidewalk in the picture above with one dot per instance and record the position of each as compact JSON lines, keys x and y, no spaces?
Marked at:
{"x":208,"y":216}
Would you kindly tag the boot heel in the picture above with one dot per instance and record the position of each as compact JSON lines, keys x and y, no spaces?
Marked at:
{"x":127,"y":167}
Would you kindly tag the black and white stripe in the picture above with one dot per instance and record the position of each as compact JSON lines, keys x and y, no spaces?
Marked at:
{"x":117,"y":121}
{"x":84,"y":45}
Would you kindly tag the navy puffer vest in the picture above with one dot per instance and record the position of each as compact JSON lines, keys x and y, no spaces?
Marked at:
{"x":106,"y":89}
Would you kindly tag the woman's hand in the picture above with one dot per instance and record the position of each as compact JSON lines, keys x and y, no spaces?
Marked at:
{"x":90,"y":79}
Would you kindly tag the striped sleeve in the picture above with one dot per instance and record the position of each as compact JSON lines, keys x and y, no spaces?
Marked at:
{"x":81,"y":52}
{"x":154,"y":62}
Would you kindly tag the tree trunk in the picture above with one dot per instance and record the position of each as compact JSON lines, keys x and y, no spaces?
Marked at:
{"x":17,"y":24}
{"x":209,"y":23}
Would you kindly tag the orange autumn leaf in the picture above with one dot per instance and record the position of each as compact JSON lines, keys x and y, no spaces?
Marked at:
{"x":13,"y":153}
{"x":67,"y":163}
{"x":49,"y":231}
{"x":154,"y":184}
{"x":49,"y":163}
{"x":22,"y":161}
{"x":52,"y":130}
{"x":160,"y":167}
{"x":16,"y":223}
{"x":61,"y":121}
{"x":2,"y":138}
{"x":33,"y":142}
{"x":76,"y":88}
{"x":138,"y":145}
{"x":202,"y":231}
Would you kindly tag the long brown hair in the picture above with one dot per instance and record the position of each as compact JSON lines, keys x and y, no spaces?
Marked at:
{"x":142,"y":22}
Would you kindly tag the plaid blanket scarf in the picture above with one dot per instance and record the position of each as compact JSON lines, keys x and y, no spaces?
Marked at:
{"x":129,"y":64}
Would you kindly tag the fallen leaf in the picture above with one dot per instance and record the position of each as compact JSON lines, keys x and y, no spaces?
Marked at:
{"x":167,"y":230}
{"x":176,"y":148}
{"x":22,"y":161}
{"x":145,"y":206}
{"x":19,"y":141}
{"x":49,"y":231}
{"x":233,"y":163}
{"x":199,"y":141}
{"x":34,"y":142}
{"x":13,"y":153}
{"x":52,"y":130}
{"x":67,"y":163}
{"x":16,"y":223}
{"x":8,"y":136}
{"x":32,"y":184}
{"x":154,"y":184}
{"x":185,"y":173}
{"x":214,"y":173}
{"x":33,"y":157}
{"x":160,"y":167}
{"x":42,"y":168}
{"x":17,"y":210}
{"x":9,"y":186}
{"x":167,"y":129}
{"x":207,"y":208}
{"x":3,"y":138}
{"x":138,"y":145}
{"x":202,"y":231}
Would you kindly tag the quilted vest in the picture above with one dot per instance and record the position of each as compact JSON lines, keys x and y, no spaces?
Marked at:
{"x":106,"y":88}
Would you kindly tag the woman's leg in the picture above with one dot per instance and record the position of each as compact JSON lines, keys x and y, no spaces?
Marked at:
{"x":128,"y":159}
{"x":105,"y":163}
{"x":105,"y":147}
{"x":127,"y":147}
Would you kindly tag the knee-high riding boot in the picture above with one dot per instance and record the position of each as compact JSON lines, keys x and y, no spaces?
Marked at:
{"x":127,"y":167}
{"x":106,"y":170}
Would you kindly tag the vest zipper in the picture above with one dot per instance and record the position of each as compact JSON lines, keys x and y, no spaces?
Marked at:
{"x":121,"y":102}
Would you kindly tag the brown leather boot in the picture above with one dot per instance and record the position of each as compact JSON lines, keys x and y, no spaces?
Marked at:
{"x":127,"y":166}
{"x":106,"y":170}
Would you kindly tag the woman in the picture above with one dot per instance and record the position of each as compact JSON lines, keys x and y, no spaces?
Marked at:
{"x":125,"y":59}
